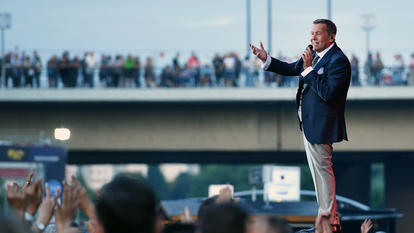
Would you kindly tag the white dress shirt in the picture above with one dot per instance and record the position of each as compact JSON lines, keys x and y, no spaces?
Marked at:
{"x":307,"y":70}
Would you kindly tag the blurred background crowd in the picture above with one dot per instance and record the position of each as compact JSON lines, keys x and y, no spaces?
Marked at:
{"x":223,"y":70}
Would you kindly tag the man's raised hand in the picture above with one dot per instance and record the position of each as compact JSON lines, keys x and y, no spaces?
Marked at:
{"x":259,"y":52}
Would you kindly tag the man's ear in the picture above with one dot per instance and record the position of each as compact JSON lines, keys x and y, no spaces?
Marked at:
{"x":332,"y":37}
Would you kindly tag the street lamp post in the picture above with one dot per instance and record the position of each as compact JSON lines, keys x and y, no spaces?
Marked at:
{"x":5,"y":23}
{"x":368,"y":24}
{"x":329,"y":8}
{"x":269,"y":26}
{"x":248,"y":26}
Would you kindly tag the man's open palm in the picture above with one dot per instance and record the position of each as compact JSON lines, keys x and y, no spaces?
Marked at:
{"x":259,"y":52}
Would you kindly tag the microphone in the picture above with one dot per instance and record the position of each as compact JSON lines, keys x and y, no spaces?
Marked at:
{"x":299,"y":63}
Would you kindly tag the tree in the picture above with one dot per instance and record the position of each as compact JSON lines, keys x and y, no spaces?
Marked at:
{"x":180,"y":188}
{"x":237,"y":175}
{"x":157,"y":181}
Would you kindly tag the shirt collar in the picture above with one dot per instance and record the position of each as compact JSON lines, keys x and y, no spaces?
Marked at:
{"x":321,"y":54}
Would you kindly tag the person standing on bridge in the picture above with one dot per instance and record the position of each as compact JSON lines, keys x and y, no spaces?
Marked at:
{"x":324,"y":77}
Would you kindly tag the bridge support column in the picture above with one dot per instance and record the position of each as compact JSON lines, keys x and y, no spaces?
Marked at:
{"x":353,"y":180}
{"x":399,"y":189}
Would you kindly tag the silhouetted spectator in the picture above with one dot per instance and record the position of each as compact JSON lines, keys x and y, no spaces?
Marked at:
{"x":16,"y":64}
{"x":74,"y":67}
{"x":206,"y":74}
{"x":8,"y":70}
{"x":149,"y":73}
{"x":64,"y":69}
{"x":369,"y":69}
{"x":224,"y":218}
{"x":90,"y":65}
{"x":248,"y":67}
{"x":104,"y":75}
{"x":218,"y":66}
{"x":186,"y":77}
{"x":355,"y":71}
{"x":176,"y":62}
{"x":167,"y":79}
{"x":37,"y":66}
{"x":398,"y":70}
{"x":117,"y":68}
{"x":129,"y":64}
{"x":193,"y":63}
{"x":237,"y":70}
{"x":411,"y":80}
{"x":137,"y":72}
{"x":377,"y":69}
{"x":127,"y":205}
{"x":257,"y":66}
{"x":229,"y":69}
{"x":28,"y":72}
{"x":53,"y":71}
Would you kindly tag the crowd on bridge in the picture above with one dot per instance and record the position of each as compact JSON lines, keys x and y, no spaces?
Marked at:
{"x":225,"y":70}
{"x":128,"y":205}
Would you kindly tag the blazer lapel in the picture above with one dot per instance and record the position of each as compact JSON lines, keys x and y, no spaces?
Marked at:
{"x":325,"y":58}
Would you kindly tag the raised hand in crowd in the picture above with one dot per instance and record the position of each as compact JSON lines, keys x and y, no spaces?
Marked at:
{"x":66,"y":211}
{"x":46,"y":209}
{"x":366,"y":226}
{"x":67,"y":228}
{"x":226,"y":195}
{"x":34,"y":194}
{"x":17,"y":199}
{"x":185,"y":217}
{"x":322,"y":223}
{"x":85,"y":202}
{"x":92,"y":226}
{"x":29,"y":179}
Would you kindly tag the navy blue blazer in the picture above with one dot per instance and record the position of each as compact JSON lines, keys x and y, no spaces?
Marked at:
{"x":324,"y":96}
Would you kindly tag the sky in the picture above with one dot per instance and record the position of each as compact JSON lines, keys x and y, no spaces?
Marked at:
{"x":147,"y":28}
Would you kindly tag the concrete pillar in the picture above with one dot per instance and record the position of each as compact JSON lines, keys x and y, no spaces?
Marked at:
{"x":399,"y":189}
{"x":353,"y":180}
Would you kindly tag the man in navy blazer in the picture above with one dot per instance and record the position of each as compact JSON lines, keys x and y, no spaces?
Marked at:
{"x":324,"y":77}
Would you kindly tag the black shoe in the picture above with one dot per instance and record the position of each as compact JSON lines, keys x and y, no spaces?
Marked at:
{"x":310,"y":230}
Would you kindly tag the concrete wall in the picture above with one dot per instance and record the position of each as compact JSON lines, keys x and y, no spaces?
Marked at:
{"x":372,"y":125}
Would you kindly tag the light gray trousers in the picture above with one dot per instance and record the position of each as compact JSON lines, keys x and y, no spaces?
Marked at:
{"x":320,"y":164}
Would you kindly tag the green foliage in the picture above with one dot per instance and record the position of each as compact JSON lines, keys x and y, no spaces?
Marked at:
{"x":237,"y":175}
{"x":306,"y":182}
{"x":138,"y":176}
{"x":3,"y":193}
{"x":377,"y":186}
{"x":180,"y":188}
{"x":81,"y":179}
{"x":157,"y":181}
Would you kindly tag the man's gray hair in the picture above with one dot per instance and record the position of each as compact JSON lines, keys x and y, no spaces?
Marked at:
{"x":330,"y":26}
